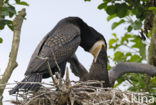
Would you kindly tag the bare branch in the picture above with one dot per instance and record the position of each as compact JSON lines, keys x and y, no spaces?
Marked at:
{"x":68,"y":83}
{"x":55,"y":60}
{"x":12,"y":64}
{"x":50,"y":71}
{"x":49,"y":68}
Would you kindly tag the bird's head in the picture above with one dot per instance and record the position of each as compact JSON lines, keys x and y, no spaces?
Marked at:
{"x":91,"y":40}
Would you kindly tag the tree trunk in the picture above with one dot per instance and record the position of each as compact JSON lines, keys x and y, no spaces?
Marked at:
{"x":152,"y":52}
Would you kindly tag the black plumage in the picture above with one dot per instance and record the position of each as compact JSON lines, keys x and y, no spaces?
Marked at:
{"x":62,"y":43}
{"x":98,"y":70}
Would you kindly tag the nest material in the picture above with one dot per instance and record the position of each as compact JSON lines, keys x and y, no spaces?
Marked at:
{"x":80,"y":93}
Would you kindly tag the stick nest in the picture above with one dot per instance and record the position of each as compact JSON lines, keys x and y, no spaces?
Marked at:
{"x":78,"y":93}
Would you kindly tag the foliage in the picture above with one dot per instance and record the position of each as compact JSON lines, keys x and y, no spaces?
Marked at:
{"x":129,"y":48}
{"x":132,"y":12}
{"x":138,"y":16}
{"x":8,"y":12}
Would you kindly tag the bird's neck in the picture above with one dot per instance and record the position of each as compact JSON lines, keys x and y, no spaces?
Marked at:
{"x":85,"y":42}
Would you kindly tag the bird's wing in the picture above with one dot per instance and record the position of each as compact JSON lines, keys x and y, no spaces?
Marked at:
{"x":61,"y":42}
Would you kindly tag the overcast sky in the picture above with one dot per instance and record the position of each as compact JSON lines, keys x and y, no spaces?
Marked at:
{"x":42,"y":16}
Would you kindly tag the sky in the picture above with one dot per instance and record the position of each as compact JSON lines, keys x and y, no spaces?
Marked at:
{"x":42,"y":16}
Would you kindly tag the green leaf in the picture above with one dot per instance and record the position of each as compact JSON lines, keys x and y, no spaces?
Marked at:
{"x":149,"y":34}
{"x":111,"y":10}
{"x":137,"y":25}
{"x":23,"y":3}
{"x":137,"y":42}
{"x":135,"y":58}
{"x":153,"y":80}
{"x":129,"y":29}
{"x":109,"y":67}
{"x":5,"y":13}
{"x":116,"y":46}
{"x":152,"y":9}
{"x":8,"y":10}
{"x":145,"y":0}
{"x":110,"y":17}
{"x":114,"y":34}
{"x":11,"y":10}
{"x":2,"y":24}
{"x":10,"y":24}
{"x":115,"y":24}
{"x":140,"y":13}
{"x":87,"y":0}
{"x":121,"y":10}
{"x":119,"y":56}
{"x":120,"y":80}
{"x":128,"y":54}
{"x":1,"y":40}
{"x":111,"y":42}
{"x":125,"y":39}
{"x":19,"y":2}
{"x":6,"y":22}
{"x":102,"y":6}
{"x":142,"y":51}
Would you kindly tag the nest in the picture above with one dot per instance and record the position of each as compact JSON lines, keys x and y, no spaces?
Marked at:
{"x":80,"y":93}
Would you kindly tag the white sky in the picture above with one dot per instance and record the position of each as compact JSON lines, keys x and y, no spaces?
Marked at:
{"x":42,"y":16}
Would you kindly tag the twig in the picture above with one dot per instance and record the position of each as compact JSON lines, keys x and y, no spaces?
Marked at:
{"x":49,"y":68}
{"x":113,"y":98}
{"x":68,"y":83}
{"x":56,"y":61}
{"x":79,"y":95}
{"x":50,"y":71}
{"x":34,"y":98}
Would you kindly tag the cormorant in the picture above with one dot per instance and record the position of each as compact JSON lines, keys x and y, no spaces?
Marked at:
{"x":98,"y":70}
{"x":59,"y":45}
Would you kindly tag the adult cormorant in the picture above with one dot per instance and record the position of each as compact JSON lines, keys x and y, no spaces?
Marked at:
{"x":60,"y":43}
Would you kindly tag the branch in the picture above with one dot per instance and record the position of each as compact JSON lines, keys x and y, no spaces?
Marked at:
{"x":49,"y":68}
{"x":152,"y":52}
{"x":1,"y":5}
{"x":123,"y":68}
{"x":55,"y":60}
{"x":12,"y":64}
{"x":152,"y":48}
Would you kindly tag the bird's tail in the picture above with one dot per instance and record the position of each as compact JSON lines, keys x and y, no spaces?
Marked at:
{"x":28,"y":86}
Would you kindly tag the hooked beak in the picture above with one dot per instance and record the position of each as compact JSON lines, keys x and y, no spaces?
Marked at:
{"x":96,"y":48}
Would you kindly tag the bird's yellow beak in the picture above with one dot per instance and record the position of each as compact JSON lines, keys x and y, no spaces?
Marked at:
{"x":95,"y":50}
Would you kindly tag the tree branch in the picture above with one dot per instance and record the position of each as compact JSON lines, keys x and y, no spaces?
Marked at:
{"x":152,"y":52}
{"x":1,"y":5}
{"x":12,"y":64}
{"x":152,"y":48}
